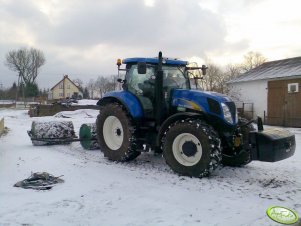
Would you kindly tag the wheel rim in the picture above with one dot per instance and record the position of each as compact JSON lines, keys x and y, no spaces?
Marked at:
{"x":113,"y":132}
{"x":180,"y":152}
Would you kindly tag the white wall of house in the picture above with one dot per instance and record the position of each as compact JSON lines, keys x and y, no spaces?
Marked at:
{"x":252,"y":92}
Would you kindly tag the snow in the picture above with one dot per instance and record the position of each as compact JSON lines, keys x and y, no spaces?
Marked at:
{"x":145,"y":191}
{"x":86,"y":102}
{"x":83,"y":113}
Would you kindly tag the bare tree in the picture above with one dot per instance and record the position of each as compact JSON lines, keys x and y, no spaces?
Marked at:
{"x":213,"y":79}
{"x":252,"y":60}
{"x":79,"y":83}
{"x":233,"y":70}
{"x":37,"y":60}
{"x":101,"y":84}
{"x":114,"y":82}
{"x":26,"y":62}
{"x":217,"y":77}
{"x":91,"y":88}
{"x":106,"y":84}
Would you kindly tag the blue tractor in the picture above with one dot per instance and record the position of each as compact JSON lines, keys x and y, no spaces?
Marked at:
{"x":161,"y":108}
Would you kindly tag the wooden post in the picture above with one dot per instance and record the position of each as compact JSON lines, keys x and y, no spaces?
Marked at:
{"x":1,"y":126}
{"x":243,"y":109}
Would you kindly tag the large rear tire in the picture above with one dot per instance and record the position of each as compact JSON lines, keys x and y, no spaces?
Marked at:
{"x":116,"y":133}
{"x":191,"y":148}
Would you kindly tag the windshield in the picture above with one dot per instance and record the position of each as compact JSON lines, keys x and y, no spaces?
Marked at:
{"x":195,"y":77}
{"x":175,"y":77}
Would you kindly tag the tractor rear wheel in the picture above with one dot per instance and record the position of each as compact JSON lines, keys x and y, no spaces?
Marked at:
{"x":191,"y":147}
{"x":116,"y":133}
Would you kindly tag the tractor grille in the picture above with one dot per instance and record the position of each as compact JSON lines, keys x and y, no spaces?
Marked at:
{"x":214,"y":106}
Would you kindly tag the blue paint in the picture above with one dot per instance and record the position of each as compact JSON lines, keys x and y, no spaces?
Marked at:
{"x":189,"y":98}
{"x":166,"y":61}
{"x":129,"y":101}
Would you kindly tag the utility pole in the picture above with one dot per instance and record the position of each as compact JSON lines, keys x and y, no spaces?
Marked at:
{"x":18,"y":87}
{"x":1,"y":90}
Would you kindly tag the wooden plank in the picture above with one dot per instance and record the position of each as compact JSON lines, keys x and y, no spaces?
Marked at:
{"x":275,"y":103}
{"x":284,"y":109}
{"x":1,"y":126}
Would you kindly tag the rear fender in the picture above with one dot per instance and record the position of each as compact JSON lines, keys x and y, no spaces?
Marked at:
{"x":128,"y":100}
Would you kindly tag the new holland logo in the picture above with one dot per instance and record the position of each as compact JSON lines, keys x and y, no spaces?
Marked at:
{"x":282,"y":215}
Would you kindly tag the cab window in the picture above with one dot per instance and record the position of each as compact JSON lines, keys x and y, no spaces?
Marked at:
{"x":136,"y":81}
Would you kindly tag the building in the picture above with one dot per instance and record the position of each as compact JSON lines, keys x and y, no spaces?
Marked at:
{"x":64,"y":89}
{"x":274,"y":90}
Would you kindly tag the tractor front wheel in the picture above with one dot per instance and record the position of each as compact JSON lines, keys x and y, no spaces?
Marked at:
{"x":116,"y":133}
{"x":191,"y":147}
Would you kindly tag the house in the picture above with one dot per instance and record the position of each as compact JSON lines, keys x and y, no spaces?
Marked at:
{"x":63,"y":89}
{"x":274,"y":90}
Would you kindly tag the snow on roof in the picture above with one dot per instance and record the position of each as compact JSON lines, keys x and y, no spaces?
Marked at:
{"x":271,"y":70}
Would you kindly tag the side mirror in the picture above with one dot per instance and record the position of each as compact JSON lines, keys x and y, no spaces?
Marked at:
{"x":141,"y":67}
{"x":204,"y":68}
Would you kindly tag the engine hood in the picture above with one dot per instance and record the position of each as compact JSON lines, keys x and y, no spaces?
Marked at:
{"x":198,"y":96}
{"x":207,"y":102}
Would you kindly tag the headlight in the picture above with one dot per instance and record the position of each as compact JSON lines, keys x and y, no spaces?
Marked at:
{"x":227,"y":113}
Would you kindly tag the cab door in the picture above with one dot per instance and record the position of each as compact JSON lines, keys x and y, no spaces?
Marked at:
{"x":143,"y":87}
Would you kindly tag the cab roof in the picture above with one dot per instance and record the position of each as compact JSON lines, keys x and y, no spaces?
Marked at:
{"x":166,"y":61}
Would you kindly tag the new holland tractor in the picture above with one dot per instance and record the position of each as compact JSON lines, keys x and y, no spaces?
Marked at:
{"x":195,"y":130}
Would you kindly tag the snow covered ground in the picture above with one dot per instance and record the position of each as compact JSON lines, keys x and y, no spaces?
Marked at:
{"x":87,"y":102}
{"x":142,"y":192}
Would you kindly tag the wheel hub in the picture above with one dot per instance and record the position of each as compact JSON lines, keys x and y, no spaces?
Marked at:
{"x":113,"y":132}
{"x":189,"y":149}
{"x":118,"y":132}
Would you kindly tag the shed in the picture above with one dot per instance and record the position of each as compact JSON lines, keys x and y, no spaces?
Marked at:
{"x":274,"y":90}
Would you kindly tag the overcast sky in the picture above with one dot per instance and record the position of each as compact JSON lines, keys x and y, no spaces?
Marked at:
{"x":83,"y":38}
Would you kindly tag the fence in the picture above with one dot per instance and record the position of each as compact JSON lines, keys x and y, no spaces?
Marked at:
{"x":40,"y":110}
{"x":16,"y":104}
{"x":245,"y":110}
{"x":7,"y":104}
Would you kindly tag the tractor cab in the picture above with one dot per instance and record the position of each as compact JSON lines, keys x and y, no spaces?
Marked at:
{"x":141,"y":77}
